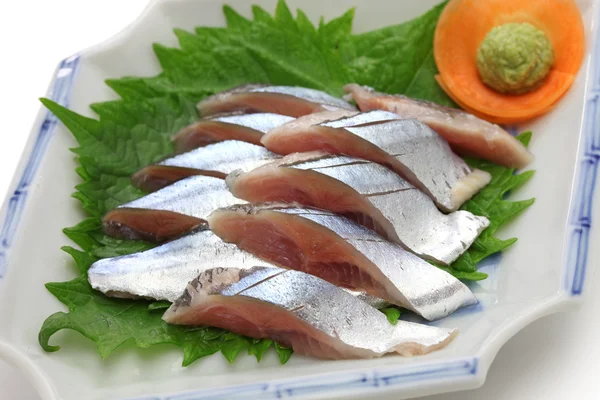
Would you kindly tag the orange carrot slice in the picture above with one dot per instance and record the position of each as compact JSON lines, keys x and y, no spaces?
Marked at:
{"x":492,"y":118}
{"x":464,"y":24}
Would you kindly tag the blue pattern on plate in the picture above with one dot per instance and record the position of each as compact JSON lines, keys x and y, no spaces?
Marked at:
{"x":60,"y":93}
{"x":580,"y":215}
{"x":405,"y":375}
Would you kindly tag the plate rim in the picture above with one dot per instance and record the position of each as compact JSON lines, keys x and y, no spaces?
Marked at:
{"x":440,"y":376}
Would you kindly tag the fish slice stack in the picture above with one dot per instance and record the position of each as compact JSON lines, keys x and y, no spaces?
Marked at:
{"x":290,"y":215}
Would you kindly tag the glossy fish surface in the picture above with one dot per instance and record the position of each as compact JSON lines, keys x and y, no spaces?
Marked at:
{"x":367,"y":193}
{"x":162,"y":273}
{"x":171,"y":211}
{"x":466,"y":133}
{"x":300,"y":311}
{"x":285,"y":100}
{"x":408,"y":147}
{"x":218,"y":159}
{"x":343,"y":253}
{"x":245,"y":127}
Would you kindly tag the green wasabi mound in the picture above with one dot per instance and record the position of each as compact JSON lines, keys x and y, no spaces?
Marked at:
{"x":515,"y":58}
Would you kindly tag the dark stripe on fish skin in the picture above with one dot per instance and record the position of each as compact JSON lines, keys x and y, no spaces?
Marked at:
{"x":199,"y":228}
{"x":370,"y":123}
{"x":297,"y":308}
{"x":223,"y":115}
{"x":198,"y":285}
{"x":185,"y":300}
{"x":245,"y":208}
{"x":209,"y":282}
{"x":389,"y":192}
{"x":252,"y":209}
{"x":317,"y":158}
{"x":259,"y":282}
{"x":208,"y":277}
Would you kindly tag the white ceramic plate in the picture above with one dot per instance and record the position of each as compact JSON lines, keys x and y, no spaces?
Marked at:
{"x":543,"y":273}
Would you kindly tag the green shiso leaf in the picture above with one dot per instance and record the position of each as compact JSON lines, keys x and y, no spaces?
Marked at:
{"x":284,"y":353}
{"x":259,"y":347}
{"x":490,"y":203}
{"x":159,"y":306}
{"x":392,"y":314}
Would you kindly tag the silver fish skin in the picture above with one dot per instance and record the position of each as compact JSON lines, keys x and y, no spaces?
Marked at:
{"x":466,"y":133}
{"x":216,"y":160}
{"x":162,"y":273}
{"x":287,"y":100}
{"x":425,"y":156}
{"x":358,"y":119}
{"x":315,"y":96}
{"x":262,"y":122}
{"x":247,"y":128}
{"x":169,"y":212}
{"x":439,"y":296}
{"x":408,"y":147}
{"x":223,"y":157}
{"x":393,"y":273}
{"x":196,"y":196}
{"x":309,"y":314}
{"x":414,"y":220}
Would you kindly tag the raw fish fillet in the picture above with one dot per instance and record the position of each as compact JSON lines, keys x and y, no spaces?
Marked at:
{"x":300,"y":311}
{"x":367,"y":193}
{"x":218,"y":160}
{"x":245,"y":127}
{"x":171,"y":211}
{"x":343,"y":253}
{"x":163,"y":272}
{"x":466,"y":133}
{"x":286,"y":100}
{"x":408,"y":147}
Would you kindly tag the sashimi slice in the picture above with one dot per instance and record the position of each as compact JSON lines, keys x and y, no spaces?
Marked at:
{"x":406,"y":146}
{"x":163,"y":272}
{"x":218,"y":160}
{"x":467,"y":134}
{"x":367,"y":193}
{"x":286,"y":100}
{"x":343,"y":253}
{"x":245,"y":127}
{"x":300,"y":311}
{"x":169,"y":212}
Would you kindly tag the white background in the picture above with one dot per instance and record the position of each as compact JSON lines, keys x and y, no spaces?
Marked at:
{"x":555,"y":358}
